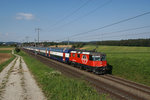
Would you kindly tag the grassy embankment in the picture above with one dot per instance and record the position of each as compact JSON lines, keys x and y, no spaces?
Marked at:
{"x":132,"y":63}
{"x":57,"y":86}
{"x":4,"y":64}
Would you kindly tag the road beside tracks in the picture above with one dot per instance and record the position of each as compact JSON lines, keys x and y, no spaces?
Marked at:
{"x":17,"y":83}
{"x":116,"y":87}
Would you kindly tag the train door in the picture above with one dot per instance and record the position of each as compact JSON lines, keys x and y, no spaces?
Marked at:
{"x":46,"y":52}
{"x":64,"y":56}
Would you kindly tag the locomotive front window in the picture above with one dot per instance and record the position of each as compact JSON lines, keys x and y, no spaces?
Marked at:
{"x":96,"y":58}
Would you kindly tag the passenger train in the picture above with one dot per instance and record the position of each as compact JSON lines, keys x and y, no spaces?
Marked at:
{"x":91,"y":61}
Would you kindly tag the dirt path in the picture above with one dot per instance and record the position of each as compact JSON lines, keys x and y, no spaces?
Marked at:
{"x":17,"y":83}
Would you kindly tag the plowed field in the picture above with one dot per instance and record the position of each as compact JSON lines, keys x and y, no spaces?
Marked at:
{"x":4,"y":57}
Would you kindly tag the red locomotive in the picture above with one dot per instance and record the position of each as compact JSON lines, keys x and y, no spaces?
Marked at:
{"x":91,"y":61}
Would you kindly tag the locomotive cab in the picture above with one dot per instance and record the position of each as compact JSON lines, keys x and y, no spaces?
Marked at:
{"x":98,"y":62}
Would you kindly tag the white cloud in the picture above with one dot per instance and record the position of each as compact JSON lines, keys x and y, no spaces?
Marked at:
{"x":25,"y":16}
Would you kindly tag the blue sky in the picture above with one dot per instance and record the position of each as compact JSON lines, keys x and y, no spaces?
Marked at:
{"x":19,"y":18}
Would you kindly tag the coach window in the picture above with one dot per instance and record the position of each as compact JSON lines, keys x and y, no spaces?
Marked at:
{"x":78,"y":55}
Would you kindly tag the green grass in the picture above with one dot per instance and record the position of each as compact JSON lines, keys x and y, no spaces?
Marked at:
{"x":131,"y":63}
{"x":5,"y":51}
{"x":4,"y":64}
{"x":57,"y":86}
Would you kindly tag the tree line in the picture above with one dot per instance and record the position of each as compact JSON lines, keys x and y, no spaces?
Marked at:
{"x":130,"y":42}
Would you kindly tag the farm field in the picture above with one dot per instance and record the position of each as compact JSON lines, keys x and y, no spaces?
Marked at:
{"x":5,"y":56}
{"x":6,"y":49}
{"x":131,"y":63}
{"x":59,"y":87}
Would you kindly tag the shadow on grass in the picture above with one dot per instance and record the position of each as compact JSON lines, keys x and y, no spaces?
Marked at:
{"x":110,"y":68}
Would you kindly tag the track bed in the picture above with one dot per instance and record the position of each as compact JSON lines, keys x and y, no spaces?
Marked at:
{"x":116,"y":87}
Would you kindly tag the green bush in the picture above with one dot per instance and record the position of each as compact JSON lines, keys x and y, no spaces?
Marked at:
{"x":17,"y":50}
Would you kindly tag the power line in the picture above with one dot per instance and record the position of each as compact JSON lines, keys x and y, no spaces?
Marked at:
{"x":85,"y":15}
{"x":130,"y":29}
{"x":75,"y":11}
{"x":119,"y":35}
{"x":115,"y":23}
{"x":124,"y":20}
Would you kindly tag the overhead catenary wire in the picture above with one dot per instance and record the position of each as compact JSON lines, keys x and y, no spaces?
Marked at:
{"x":115,"y":23}
{"x":106,"y":33}
{"x":72,"y":13}
{"x":112,"y":36}
{"x":109,"y":25}
{"x":106,"y":26}
{"x":83,"y":16}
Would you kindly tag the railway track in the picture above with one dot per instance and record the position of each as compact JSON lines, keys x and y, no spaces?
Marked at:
{"x":116,"y":87}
